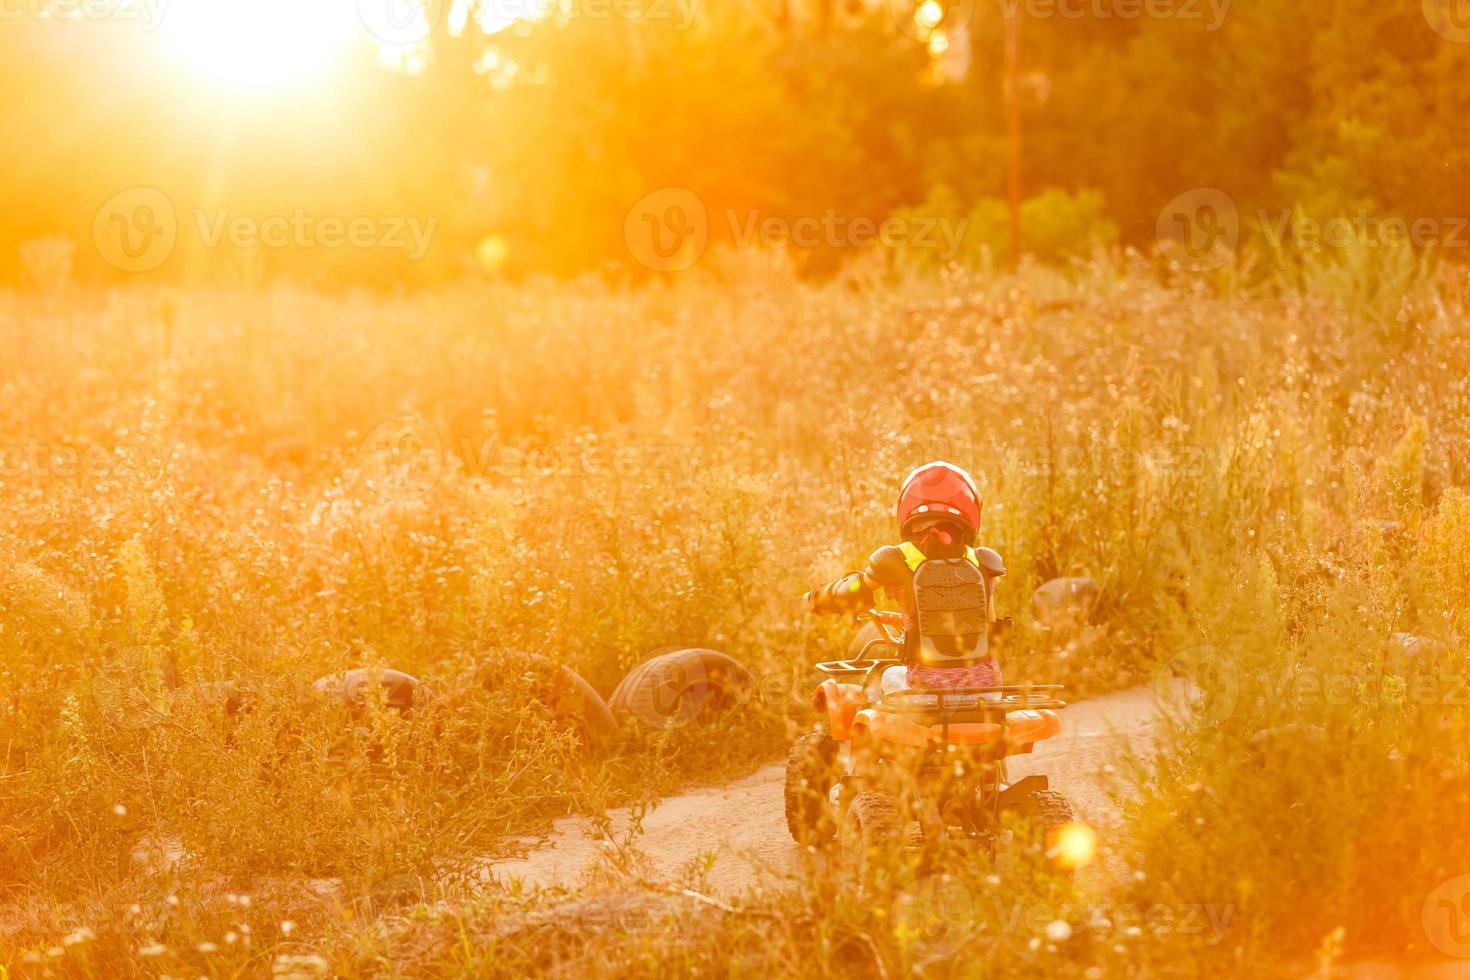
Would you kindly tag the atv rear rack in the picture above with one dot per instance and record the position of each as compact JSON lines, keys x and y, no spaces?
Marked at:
{"x":999,"y":699}
{"x":1011,"y":697}
{"x":956,"y":705}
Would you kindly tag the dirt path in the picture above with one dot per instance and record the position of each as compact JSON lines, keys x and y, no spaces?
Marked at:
{"x":740,"y":827}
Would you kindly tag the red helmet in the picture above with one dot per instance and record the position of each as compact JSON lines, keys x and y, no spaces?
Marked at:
{"x":940,"y":491}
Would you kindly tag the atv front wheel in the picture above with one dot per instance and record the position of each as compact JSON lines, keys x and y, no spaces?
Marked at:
{"x":872,"y":836}
{"x":811,"y":771}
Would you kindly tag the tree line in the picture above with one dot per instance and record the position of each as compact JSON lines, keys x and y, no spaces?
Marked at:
{"x":528,"y":147}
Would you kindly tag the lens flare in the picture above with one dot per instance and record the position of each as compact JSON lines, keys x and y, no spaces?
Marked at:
{"x":1074,"y":846}
{"x":929,"y":14}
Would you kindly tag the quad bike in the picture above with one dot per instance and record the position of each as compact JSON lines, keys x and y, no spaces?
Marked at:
{"x":878,"y":762}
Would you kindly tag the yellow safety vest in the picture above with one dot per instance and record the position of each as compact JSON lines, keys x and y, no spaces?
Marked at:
{"x":914,"y":557}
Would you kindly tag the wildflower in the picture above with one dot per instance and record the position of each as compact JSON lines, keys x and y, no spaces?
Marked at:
{"x":55,"y":953}
{"x":207,"y":947}
{"x":173,"y":901}
{"x":152,"y":949}
{"x":119,"y":810}
{"x":1059,"y":931}
{"x":309,"y":965}
{"x":78,"y":936}
{"x":230,"y":938}
{"x":287,"y":927}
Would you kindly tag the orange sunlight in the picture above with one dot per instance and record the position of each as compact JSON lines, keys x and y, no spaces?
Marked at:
{"x":261,"y":45}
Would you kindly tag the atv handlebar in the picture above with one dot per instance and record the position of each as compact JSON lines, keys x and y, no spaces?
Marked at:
{"x":890,"y":625}
{"x":855,"y":667}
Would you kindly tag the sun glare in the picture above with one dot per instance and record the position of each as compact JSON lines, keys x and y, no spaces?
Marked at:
{"x":261,"y":45}
{"x":1074,"y":845}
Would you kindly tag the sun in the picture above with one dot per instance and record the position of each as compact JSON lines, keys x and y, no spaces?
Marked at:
{"x":260,"y":45}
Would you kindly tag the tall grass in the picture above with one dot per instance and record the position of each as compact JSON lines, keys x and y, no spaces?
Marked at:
{"x":264,"y":488}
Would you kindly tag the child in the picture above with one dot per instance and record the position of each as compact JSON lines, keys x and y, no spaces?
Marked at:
{"x":943,"y":583}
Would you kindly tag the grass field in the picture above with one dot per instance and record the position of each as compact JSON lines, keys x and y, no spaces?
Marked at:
{"x":267,"y":487}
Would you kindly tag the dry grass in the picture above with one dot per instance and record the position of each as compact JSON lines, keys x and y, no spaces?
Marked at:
{"x":196,"y":489}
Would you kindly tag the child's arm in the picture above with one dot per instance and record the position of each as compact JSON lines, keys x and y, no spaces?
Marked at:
{"x":851,"y":593}
{"x":856,"y":591}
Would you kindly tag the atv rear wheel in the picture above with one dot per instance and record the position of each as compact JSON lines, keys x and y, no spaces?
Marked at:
{"x":1045,"y":811}
{"x":872,"y":837}
{"x":811,"y":771}
{"x":1045,"y":808}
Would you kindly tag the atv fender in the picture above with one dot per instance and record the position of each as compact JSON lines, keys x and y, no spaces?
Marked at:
{"x":1022,"y":788}
{"x":840,"y":703}
{"x":1029,"y":727}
